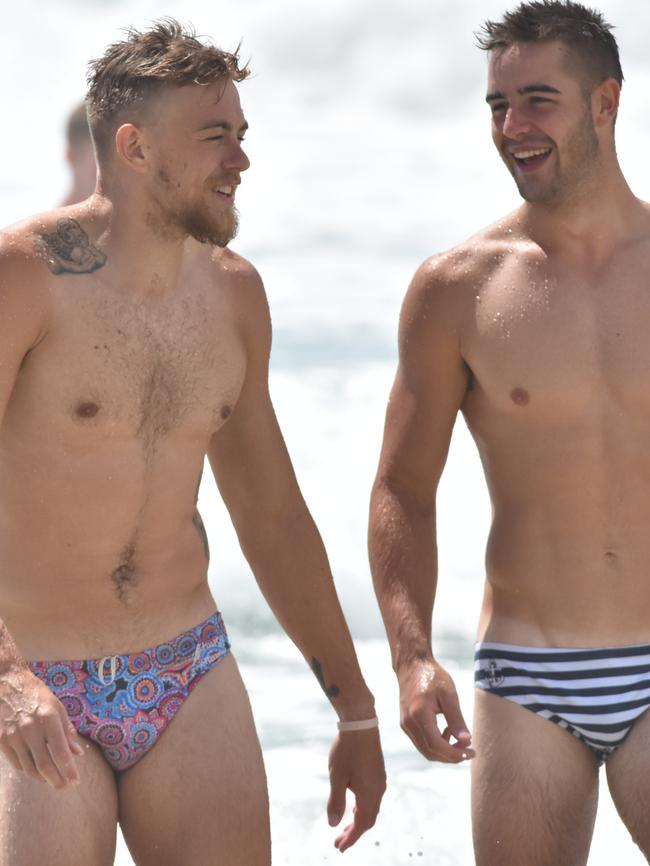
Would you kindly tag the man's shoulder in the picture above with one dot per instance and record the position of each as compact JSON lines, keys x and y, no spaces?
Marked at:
{"x":473,"y":259}
{"x":24,"y":279}
{"x":23,"y":270}
{"x":233,"y":269}
{"x":238,"y":278}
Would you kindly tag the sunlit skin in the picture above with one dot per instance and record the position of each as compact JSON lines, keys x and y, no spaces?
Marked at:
{"x":128,"y":353}
{"x":536,"y":330}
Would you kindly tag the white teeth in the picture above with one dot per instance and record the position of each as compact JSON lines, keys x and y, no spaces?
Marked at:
{"x":226,"y":190}
{"x":527,"y":154}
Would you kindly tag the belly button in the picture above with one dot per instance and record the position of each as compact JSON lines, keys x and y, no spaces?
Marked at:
{"x":610,"y":557}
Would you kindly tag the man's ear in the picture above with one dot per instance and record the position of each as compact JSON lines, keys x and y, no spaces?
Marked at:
{"x":131,"y":147}
{"x":605,"y":100}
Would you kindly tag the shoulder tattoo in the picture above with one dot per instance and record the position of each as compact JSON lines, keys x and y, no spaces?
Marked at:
{"x":69,"y":250}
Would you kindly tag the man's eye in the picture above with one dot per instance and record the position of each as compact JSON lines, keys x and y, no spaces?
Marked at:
{"x":214,"y":138}
{"x":538,"y":100}
{"x":498,"y":107}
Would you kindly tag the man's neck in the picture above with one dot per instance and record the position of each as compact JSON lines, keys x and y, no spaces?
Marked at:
{"x":593,"y":224}
{"x":139,"y":250}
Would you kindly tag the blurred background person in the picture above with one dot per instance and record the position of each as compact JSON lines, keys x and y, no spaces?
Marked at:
{"x":80,"y":156}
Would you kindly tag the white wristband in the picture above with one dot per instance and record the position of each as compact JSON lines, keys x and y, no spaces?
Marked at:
{"x":362,"y":725}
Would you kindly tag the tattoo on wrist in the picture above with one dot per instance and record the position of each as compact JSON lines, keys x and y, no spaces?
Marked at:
{"x":331,"y":691}
{"x":69,"y":250}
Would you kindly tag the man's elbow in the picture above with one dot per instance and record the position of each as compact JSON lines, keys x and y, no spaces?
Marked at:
{"x":392,"y":491}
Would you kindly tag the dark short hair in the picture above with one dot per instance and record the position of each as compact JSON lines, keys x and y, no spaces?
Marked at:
{"x":585,"y":32}
{"x":134,"y":70}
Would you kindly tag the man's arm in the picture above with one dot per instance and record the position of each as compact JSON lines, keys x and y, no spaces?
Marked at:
{"x":36,"y":735}
{"x":429,"y":388}
{"x":282,"y":544}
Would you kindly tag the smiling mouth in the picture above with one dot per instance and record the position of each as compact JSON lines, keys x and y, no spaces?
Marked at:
{"x":226,"y":192}
{"x":530,"y":158}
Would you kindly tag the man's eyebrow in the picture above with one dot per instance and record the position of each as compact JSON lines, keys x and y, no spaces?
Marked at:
{"x":222,"y":124}
{"x":522,"y":91}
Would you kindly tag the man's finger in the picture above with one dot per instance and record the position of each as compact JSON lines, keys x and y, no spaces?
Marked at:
{"x":26,"y":761}
{"x":336,"y":802}
{"x":60,"y":752}
{"x":363,"y":820}
{"x":12,"y":757}
{"x":45,"y":765}
{"x":455,"y":722}
{"x":428,"y":740}
{"x":74,"y":741}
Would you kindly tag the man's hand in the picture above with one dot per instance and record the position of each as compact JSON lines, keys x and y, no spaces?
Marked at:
{"x":427,"y":691}
{"x":36,"y":735}
{"x":356,"y":762}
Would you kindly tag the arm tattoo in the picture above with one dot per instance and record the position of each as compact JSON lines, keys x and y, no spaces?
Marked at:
{"x":69,"y":250}
{"x":331,"y":691}
{"x":200,"y":528}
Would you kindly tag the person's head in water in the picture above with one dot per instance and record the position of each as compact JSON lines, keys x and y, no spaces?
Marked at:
{"x":163,"y":106}
{"x":554,"y":84}
{"x":80,"y":156}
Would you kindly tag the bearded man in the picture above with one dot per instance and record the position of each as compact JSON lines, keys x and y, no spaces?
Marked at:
{"x":133,"y":342}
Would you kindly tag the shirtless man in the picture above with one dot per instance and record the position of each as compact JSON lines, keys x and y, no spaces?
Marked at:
{"x":127,"y":352}
{"x":536,"y":330}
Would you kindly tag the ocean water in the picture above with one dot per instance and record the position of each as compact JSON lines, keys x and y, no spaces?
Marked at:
{"x":370,"y":150}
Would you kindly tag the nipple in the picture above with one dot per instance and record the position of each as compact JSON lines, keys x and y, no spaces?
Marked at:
{"x":87,"y":409}
{"x":520,"y":397}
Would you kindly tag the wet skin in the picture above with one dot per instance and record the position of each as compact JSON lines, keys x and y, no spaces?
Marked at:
{"x":133,"y":344}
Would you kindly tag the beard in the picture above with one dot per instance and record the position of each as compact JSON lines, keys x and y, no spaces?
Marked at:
{"x":207,"y":227}
{"x":196,"y":219}
{"x":572,"y":172}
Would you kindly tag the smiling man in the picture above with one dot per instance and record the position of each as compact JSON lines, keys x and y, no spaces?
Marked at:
{"x":133,"y":342}
{"x":536,"y":330}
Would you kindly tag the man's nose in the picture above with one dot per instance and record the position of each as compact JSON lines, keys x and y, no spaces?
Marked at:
{"x":515,"y":123}
{"x":237,"y":158}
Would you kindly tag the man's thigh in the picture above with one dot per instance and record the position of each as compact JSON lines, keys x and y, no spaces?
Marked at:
{"x":200,"y":796}
{"x":628,"y":776}
{"x":73,"y":827}
{"x":534,"y":788}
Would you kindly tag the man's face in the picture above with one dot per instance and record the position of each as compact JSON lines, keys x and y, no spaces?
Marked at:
{"x":197,"y":161}
{"x":542,"y":124}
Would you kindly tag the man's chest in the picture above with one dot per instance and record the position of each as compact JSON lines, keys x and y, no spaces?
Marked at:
{"x":136,"y":369}
{"x":551,"y":343}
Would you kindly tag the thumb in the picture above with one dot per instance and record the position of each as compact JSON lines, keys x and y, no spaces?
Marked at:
{"x":454,"y":717}
{"x":336,"y":802}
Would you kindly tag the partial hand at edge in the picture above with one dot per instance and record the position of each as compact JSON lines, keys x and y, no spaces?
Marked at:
{"x":427,"y":691}
{"x":36,"y":735}
{"x":356,"y":762}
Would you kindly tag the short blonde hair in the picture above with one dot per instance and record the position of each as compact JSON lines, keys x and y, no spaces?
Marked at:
{"x":132,"y":71}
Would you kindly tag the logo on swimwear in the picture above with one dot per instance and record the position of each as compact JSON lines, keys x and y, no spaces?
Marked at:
{"x":494,"y":675}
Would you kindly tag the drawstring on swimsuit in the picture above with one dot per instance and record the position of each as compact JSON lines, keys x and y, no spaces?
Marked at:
{"x":101,"y":668}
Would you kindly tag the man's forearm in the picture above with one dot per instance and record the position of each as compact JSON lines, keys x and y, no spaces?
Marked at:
{"x":403,"y":560}
{"x":290,"y":564}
